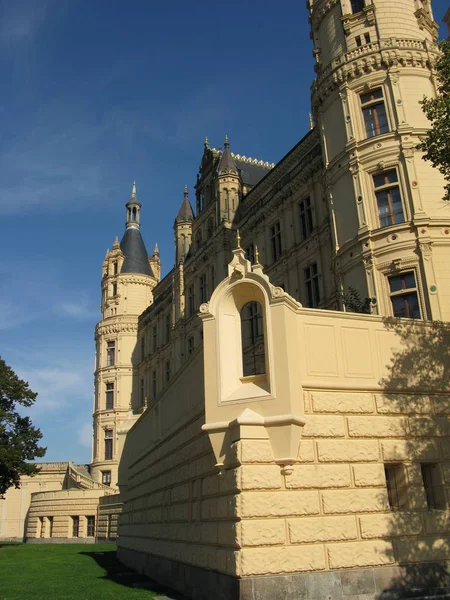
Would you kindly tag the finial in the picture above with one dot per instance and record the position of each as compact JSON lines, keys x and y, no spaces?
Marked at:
{"x":311,"y":123}
{"x":116,"y":243}
{"x":227,"y":143}
{"x":133,"y":190}
{"x":238,"y":240}
{"x":206,"y":142}
{"x":186,"y":192}
{"x":256,"y":255}
{"x":156,"y":250}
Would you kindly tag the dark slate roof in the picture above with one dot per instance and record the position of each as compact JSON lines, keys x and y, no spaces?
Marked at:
{"x":136,"y":259}
{"x":227,"y":161}
{"x":251,"y":174}
{"x":185,"y":213}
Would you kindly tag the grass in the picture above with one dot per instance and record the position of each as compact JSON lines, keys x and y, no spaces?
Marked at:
{"x":69,"y":572}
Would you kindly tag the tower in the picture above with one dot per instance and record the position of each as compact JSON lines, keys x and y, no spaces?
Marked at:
{"x":127,"y":283}
{"x":374,"y":63}
{"x":228,"y":185}
{"x":183,"y":229}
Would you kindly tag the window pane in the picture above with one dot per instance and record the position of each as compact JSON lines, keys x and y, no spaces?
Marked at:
{"x":396,"y":283}
{"x":406,"y":305}
{"x":253,"y":347}
{"x":409,"y":280}
{"x":374,"y":95}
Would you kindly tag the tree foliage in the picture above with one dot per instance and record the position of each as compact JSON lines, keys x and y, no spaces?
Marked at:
{"x":353,"y":301}
{"x":18,"y":437}
{"x":436,"y":144}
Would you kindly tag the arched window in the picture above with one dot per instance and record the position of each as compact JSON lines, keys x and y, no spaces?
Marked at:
{"x":133,"y":214}
{"x":252,"y":328}
{"x":210,"y":228}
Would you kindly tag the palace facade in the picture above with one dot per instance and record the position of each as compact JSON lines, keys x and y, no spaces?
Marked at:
{"x":275,"y":410}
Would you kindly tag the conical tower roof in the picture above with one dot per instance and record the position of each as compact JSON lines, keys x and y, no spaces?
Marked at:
{"x":185,"y":213}
{"x":132,"y":244}
{"x":226,"y":160}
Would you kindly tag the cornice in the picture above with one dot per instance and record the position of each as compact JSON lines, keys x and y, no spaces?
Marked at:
{"x":118,"y":327}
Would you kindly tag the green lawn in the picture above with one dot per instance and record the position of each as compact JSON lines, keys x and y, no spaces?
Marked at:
{"x":68,"y":572}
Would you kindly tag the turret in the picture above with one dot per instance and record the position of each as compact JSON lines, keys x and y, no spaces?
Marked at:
{"x":183,"y":229}
{"x":228,"y":184}
{"x":374,"y":63}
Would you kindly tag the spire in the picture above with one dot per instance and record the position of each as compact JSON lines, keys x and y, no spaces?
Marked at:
{"x":133,"y":210}
{"x":132,"y":244}
{"x":116,"y":244}
{"x":227,"y":163}
{"x":206,"y":142}
{"x":156,"y":250}
{"x":185,"y":213}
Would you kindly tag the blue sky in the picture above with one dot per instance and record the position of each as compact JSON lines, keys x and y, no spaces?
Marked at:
{"x":95,"y":95}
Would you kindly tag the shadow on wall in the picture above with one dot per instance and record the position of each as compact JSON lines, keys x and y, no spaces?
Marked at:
{"x":119,"y":573}
{"x":419,"y":524}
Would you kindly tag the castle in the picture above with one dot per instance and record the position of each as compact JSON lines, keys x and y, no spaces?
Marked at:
{"x":267,"y":440}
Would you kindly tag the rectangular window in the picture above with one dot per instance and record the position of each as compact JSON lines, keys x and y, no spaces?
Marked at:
{"x":312,"y":285}
{"x":141,"y":393}
{"x":190,"y":296}
{"x":109,"y":405}
{"x":50,"y":526}
{"x":358,"y":40}
{"x":396,"y":486}
{"x":387,"y":192}
{"x":75,"y":526}
{"x":154,"y":385}
{"x":108,"y":444}
{"x":90,"y":526}
{"x":275,"y":239}
{"x":115,"y":266}
{"x":306,"y":222}
{"x":106,"y":477}
{"x":114,"y":289}
{"x":404,"y":297}
{"x":168,"y":328}
{"x":374,"y":113}
{"x":357,"y":5}
{"x":167,"y":370}
{"x":250,"y":251}
{"x":203,"y":290}
{"x":110,"y":354}
{"x":190,"y":345}
{"x":432,"y":483}
{"x":213,"y":278}
{"x":142,"y":347}
{"x":154,"y":338}
{"x":367,"y":38}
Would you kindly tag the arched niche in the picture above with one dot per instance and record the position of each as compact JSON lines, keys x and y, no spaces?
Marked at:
{"x":235,"y":381}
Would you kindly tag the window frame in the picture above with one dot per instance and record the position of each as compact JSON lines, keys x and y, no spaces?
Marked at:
{"x":396,"y":486}
{"x":306,"y":218}
{"x":312,"y":284}
{"x":435,"y":483}
{"x":109,"y":395}
{"x":106,"y":477}
{"x":75,"y":526}
{"x":372,"y":106}
{"x":404,"y":293}
{"x":203,"y":288}
{"x":110,"y":353}
{"x":109,"y":444}
{"x":357,"y":6}
{"x":276,"y":241}
{"x":388,"y":187}
{"x":90,"y":526}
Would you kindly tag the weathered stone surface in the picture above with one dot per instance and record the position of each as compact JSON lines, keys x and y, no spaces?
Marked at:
{"x":322,"y":529}
{"x":324,"y":426}
{"x":351,"y":402}
{"x":286,"y":559}
{"x":401,"y":450}
{"x":353,"y":501}
{"x":260,"y":477}
{"x":360,"y":554}
{"x":319,"y":476}
{"x":265,"y":532}
{"x":390,"y":525}
{"x":369,"y":475}
{"x":403,"y":404}
{"x":256,"y":451}
{"x":278,"y":504}
{"x":347,"y":450}
{"x":377,"y":426}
